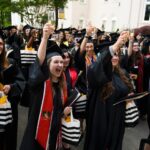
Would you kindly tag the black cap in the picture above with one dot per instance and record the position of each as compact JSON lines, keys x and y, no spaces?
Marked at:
{"x":67,"y":29}
{"x":99,"y":32}
{"x":53,"y":50}
{"x":102,"y":46}
{"x":27,"y":27}
{"x":83,"y":31}
{"x":114,"y":36}
{"x":64,"y":48}
{"x":10,"y":27}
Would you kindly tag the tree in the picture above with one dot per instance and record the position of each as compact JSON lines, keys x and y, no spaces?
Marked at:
{"x":5,"y":12}
{"x":31,"y":11}
{"x":56,"y":4}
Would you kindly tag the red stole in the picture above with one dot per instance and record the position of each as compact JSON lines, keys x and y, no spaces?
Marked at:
{"x":46,"y":113}
{"x":73,"y":76}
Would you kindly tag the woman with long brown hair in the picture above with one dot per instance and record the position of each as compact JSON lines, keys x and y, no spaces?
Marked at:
{"x":49,"y":96}
{"x":107,"y":85}
{"x":12,"y":85}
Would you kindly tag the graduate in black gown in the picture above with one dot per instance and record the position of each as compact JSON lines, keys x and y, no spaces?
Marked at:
{"x":107,"y":84}
{"x":49,"y":95}
{"x":12,"y":84}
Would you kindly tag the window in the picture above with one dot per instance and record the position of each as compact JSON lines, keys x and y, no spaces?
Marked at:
{"x":103,"y":25}
{"x":147,"y":13}
{"x":113,"y":28}
{"x":81,"y":23}
{"x":83,"y":1}
{"x":147,"y":10}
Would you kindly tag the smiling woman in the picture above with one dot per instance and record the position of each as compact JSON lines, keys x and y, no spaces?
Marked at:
{"x":55,"y":67}
{"x":12,"y":85}
{"x":49,"y":95}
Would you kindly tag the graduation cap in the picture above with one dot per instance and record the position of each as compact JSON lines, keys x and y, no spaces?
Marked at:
{"x":114,"y":36}
{"x":27,"y":27}
{"x":60,"y":30}
{"x":53,"y":50}
{"x":63,"y":30}
{"x":68,"y":29}
{"x":64,"y":48}
{"x":83,"y":31}
{"x":132,"y":97}
{"x":56,"y":31}
{"x":73,"y":29}
{"x":10,"y":27}
{"x":99,"y":32}
{"x":101,"y":46}
{"x":78,"y":34}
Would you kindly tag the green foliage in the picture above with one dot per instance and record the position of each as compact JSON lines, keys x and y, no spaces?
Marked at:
{"x":30,"y":10}
{"x":58,"y":3}
{"x":5,"y":12}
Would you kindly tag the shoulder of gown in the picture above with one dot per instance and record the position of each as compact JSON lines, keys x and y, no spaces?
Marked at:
{"x":100,"y":72}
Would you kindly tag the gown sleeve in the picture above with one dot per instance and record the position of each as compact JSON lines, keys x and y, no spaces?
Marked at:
{"x":80,"y":60}
{"x":100,"y":72}
{"x":19,"y":84}
{"x":14,"y":77}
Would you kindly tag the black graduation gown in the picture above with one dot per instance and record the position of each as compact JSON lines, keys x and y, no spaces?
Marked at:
{"x":57,"y":114}
{"x":12,"y":76}
{"x":105,"y":123}
{"x":81,"y":83}
{"x":39,"y":74}
{"x":146,"y":82}
{"x":68,"y":80}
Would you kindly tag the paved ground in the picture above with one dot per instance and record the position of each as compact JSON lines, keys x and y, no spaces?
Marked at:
{"x":131,"y":139}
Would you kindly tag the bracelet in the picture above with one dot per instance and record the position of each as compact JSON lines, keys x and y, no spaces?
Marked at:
{"x":86,"y":36}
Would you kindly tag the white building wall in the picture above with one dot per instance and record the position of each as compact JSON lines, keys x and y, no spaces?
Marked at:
{"x":113,"y":14}
{"x":75,"y":12}
{"x":111,"y":11}
{"x":15,"y":19}
{"x":134,"y":18}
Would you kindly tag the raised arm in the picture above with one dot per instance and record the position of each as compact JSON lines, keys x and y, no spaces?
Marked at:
{"x":32,"y":38}
{"x":89,"y":31}
{"x":131,"y":40}
{"x":48,"y":29}
{"x":100,"y":72}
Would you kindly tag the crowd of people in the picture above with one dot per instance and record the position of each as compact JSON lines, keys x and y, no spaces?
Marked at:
{"x":49,"y":64}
